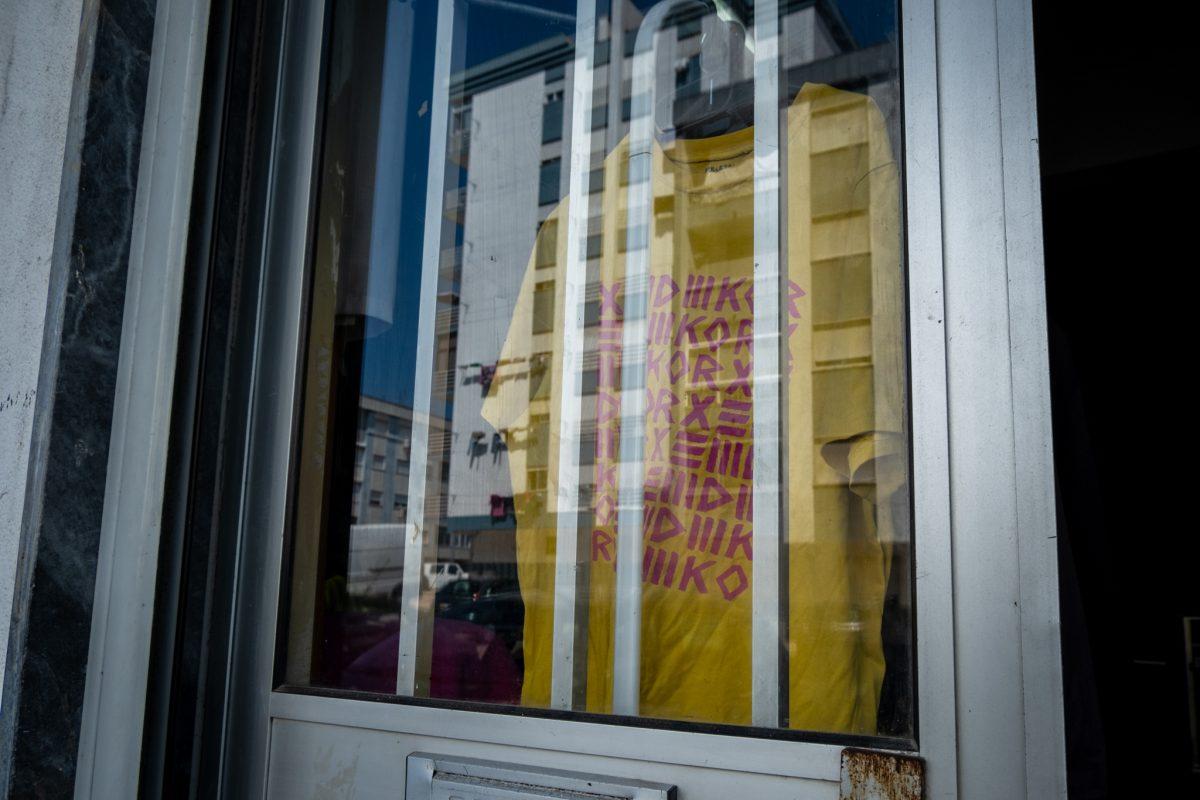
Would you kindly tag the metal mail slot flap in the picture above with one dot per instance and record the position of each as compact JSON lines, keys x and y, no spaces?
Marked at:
{"x":441,"y":777}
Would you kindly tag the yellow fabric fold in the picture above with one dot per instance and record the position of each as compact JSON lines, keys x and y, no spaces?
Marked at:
{"x":845,"y":385}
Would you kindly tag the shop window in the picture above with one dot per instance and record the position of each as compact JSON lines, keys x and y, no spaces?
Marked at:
{"x":599,"y":117}
{"x":543,"y":307}
{"x":548,"y":181}
{"x":552,"y":118}
{"x":675,"y":403}
{"x":547,"y":245}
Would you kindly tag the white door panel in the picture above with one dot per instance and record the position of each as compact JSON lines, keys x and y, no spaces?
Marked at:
{"x":294,"y":730}
{"x":314,"y":761}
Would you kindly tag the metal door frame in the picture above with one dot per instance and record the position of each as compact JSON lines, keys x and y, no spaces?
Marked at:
{"x":989,"y":693}
{"x":109,"y":755}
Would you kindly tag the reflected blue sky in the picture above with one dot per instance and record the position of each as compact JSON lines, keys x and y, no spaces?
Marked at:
{"x":493,"y":28}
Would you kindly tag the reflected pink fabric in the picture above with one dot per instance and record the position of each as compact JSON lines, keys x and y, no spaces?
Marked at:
{"x":469,"y":663}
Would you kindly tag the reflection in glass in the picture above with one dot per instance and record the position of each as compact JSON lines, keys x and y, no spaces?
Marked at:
{"x":586,"y":353}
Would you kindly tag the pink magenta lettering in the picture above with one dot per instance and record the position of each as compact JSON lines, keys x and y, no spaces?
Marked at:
{"x":606,"y":370}
{"x":608,"y":407}
{"x":672,"y":488}
{"x":702,"y":538}
{"x":610,"y":336}
{"x":745,"y":504}
{"x":660,"y":407}
{"x":700,"y":530}
{"x":606,"y":443}
{"x":706,"y":367}
{"x":672,"y":562}
{"x":693,"y":573}
{"x":699,"y":412}
{"x":687,"y":450}
{"x":679,"y":366}
{"x":665,"y":289}
{"x":745,"y":337}
{"x":728,"y":293}
{"x":661,"y":323}
{"x":794,"y":295}
{"x":652,"y":484}
{"x":733,"y":581}
{"x":660,"y":560}
{"x":740,"y":538}
{"x":725,"y":457}
{"x":654,"y":358}
{"x":717,"y":333}
{"x":659,"y":435}
{"x":601,"y":541}
{"x":606,"y":510}
{"x":698,"y":292}
{"x":606,"y":476}
{"x":713,"y":495}
{"x":738,"y":421}
{"x":742,"y":381}
{"x":608,"y":301}
{"x":666,"y":525}
{"x":689,"y":497}
{"x":687,"y":327}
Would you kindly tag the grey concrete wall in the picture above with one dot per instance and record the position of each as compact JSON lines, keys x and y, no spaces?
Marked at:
{"x":500,"y":225}
{"x":38,"y":43}
{"x":84,"y":300}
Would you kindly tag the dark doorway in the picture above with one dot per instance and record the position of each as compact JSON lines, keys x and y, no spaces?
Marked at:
{"x":1120,"y":162}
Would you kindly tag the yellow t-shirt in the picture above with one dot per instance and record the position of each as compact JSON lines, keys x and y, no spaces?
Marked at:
{"x":845,"y":385}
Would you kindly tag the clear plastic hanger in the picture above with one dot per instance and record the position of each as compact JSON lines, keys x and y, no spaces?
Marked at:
{"x":721,"y":99}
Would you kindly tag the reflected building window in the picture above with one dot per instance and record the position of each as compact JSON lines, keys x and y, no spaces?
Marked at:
{"x":498,"y":395}
{"x":552,"y":118}
{"x":549,"y":177}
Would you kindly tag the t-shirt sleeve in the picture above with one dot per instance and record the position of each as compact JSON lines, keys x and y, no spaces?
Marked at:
{"x":882,"y":181}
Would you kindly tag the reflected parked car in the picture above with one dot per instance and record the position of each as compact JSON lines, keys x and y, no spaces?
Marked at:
{"x":502,"y":613}
{"x":456,"y":594}
{"x":442,"y":573}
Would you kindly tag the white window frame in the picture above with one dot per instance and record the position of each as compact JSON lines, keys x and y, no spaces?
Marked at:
{"x":989,"y":693}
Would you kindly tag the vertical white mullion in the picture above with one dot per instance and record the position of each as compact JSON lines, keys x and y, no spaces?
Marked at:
{"x":930,"y":480}
{"x":418,"y":544}
{"x":569,"y":632}
{"x":766,"y":643}
{"x":118,"y":671}
{"x":1033,"y":445}
{"x":627,"y":637}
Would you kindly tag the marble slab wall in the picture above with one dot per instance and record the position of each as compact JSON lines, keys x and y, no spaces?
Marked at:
{"x":56,"y":569}
{"x":37,"y":67}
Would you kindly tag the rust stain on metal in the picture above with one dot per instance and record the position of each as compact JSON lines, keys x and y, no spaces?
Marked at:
{"x":874,"y":775}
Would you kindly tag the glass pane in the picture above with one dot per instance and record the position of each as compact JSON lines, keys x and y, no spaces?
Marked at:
{"x":605,"y":394}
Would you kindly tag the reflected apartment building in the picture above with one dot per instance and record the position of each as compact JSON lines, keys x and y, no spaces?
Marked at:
{"x":289,"y":358}
{"x":510,"y":136}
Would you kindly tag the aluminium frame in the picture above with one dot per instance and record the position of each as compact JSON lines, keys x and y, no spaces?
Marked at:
{"x":989,"y":699}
